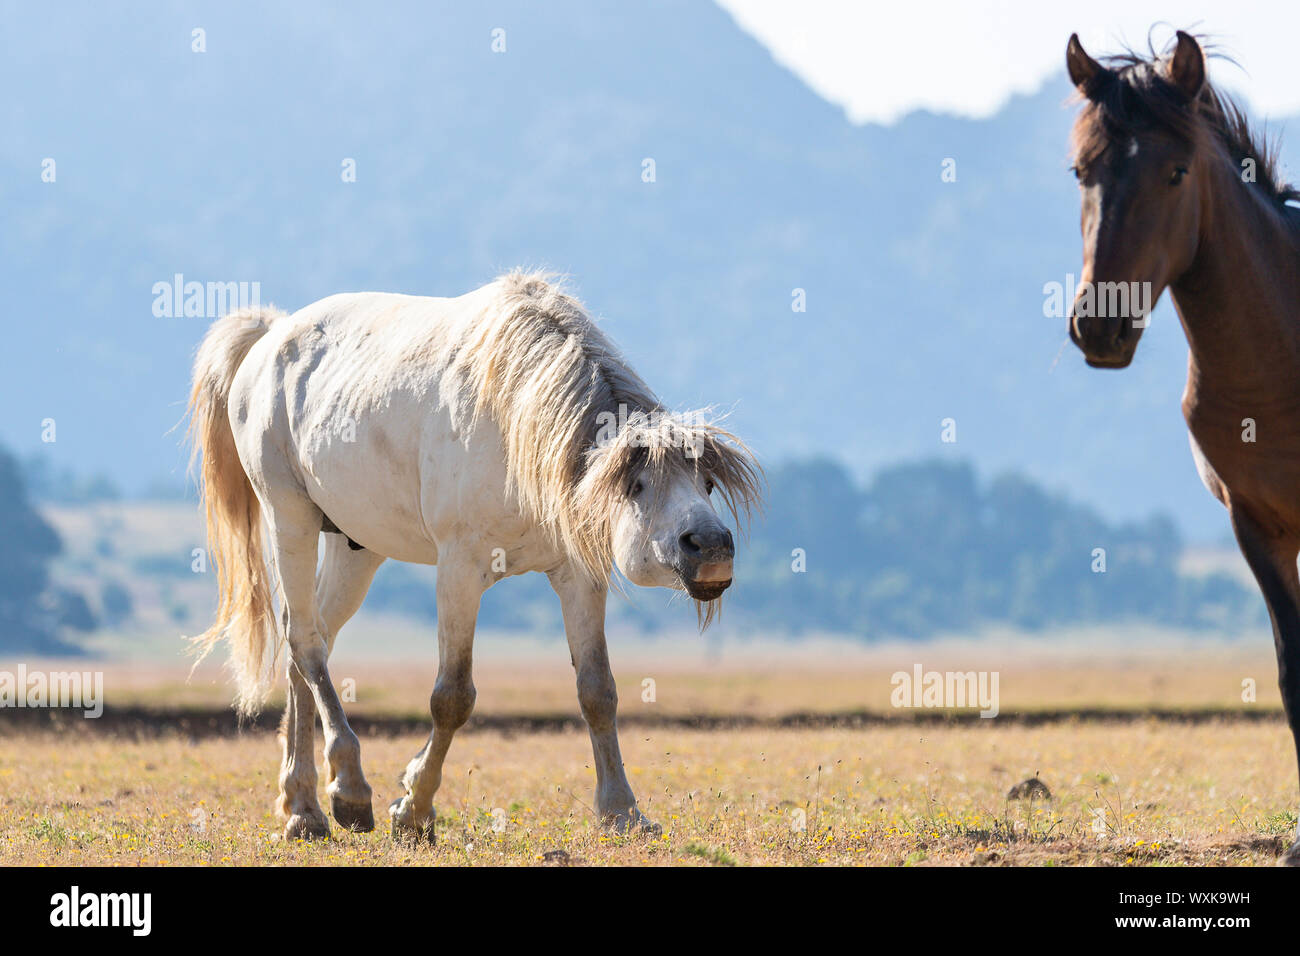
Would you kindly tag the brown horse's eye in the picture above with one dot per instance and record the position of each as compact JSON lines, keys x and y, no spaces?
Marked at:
{"x":1078,"y":173}
{"x":1178,"y":175}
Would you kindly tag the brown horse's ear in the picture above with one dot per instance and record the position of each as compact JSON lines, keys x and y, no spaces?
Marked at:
{"x":1082,"y":67}
{"x":1186,"y":68}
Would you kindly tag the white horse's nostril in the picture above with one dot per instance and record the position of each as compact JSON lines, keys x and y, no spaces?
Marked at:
{"x":709,"y":544}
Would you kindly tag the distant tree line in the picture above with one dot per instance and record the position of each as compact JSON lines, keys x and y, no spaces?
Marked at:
{"x":928,"y":547}
{"x":45,"y":482}
{"x":37,"y":615}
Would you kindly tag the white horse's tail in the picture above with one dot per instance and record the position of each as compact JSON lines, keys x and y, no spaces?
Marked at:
{"x":245,"y":614}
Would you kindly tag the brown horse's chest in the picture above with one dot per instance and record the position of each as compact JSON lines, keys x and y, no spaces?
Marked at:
{"x":1250,"y":458}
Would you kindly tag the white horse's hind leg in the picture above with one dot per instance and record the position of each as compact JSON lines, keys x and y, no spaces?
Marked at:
{"x":584,"y":625}
{"x":341,"y":586}
{"x":295,"y":532}
{"x":297,"y":799}
{"x":460,"y":588}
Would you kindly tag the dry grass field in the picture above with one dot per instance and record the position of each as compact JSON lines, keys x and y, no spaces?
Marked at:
{"x":1150,"y":793}
{"x":1210,"y":781}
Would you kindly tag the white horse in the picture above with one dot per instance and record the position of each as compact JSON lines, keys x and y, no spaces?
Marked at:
{"x":491,"y":434}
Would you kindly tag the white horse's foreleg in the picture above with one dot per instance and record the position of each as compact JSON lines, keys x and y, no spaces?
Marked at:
{"x":460,"y":588}
{"x":341,"y":586}
{"x":584,"y":625}
{"x":294,"y":545}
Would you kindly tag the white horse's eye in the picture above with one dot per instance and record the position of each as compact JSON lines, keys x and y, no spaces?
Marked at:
{"x":636,"y":489}
{"x":708,"y":487}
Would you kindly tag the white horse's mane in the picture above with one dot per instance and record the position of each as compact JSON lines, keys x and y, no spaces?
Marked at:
{"x":551,"y":381}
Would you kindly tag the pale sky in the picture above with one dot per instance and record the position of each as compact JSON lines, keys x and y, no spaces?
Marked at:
{"x":880,"y":60}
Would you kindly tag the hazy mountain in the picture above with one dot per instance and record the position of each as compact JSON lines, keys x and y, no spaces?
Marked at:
{"x":924,"y":298}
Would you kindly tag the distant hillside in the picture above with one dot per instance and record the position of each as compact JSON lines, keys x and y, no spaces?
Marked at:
{"x":924,"y":298}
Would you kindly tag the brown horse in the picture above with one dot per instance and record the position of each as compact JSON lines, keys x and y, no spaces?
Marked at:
{"x":1178,"y":193}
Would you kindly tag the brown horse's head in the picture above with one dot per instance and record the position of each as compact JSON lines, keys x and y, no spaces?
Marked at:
{"x":1139,"y":168}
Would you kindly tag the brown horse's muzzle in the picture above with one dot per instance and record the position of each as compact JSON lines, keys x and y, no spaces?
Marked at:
{"x":1105,"y":341}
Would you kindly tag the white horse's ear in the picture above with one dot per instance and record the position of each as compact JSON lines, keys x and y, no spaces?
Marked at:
{"x":1082,"y":68}
{"x":1186,"y":68}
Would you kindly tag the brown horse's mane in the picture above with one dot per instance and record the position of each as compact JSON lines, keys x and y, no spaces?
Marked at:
{"x":1131,"y":94}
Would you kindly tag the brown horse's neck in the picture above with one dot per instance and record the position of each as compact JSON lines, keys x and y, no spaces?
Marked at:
{"x":1239,"y":303}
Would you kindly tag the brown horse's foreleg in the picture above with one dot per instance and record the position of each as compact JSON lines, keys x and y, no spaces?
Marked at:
{"x":583,"y":604}
{"x":1272,"y":558}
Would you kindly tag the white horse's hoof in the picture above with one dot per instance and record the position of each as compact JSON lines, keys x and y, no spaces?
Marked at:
{"x":355,"y":815}
{"x":1292,"y":856}
{"x":311,"y":825}
{"x":632,"y":822}
{"x":406,"y":831}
